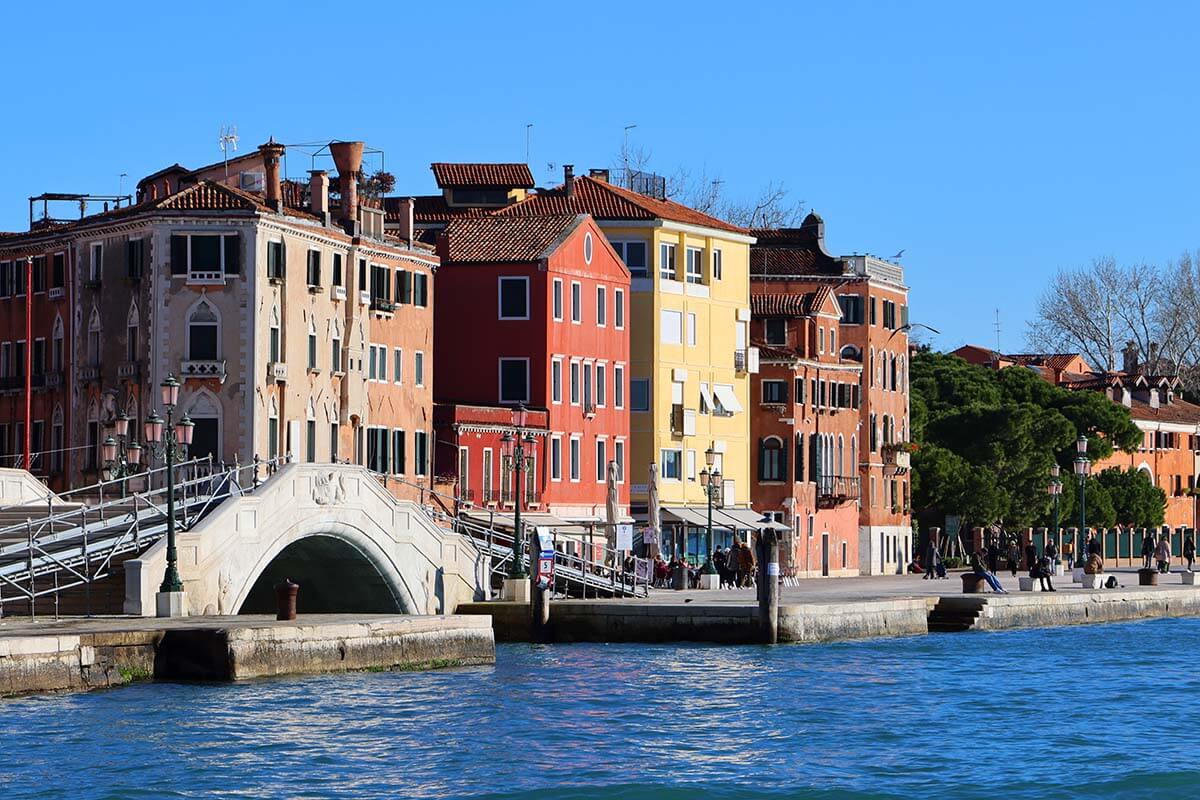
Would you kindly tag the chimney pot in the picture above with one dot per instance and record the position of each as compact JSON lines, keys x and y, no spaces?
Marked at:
{"x":599,"y":174}
{"x":407,"y":207}
{"x":318,"y":193}
{"x":569,"y":179}
{"x":271,"y":153}
{"x":347,"y":157}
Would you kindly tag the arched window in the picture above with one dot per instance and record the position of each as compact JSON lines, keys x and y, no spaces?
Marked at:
{"x":133,"y":321}
{"x":56,"y":441}
{"x":203,"y":333}
{"x":56,"y":347}
{"x":274,"y":347}
{"x":92,"y":455}
{"x":851,"y":353}
{"x":772,"y":459}
{"x":335,"y":348}
{"x":893,"y":377}
{"x":272,"y":430}
{"x":841,"y":445}
{"x":312,"y":342}
{"x":205,"y":411}
{"x":93,"y":340}
{"x":872,"y":377}
{"x":854,"y":455}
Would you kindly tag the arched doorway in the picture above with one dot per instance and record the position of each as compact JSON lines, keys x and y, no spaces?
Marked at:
{"x":334,"y":577}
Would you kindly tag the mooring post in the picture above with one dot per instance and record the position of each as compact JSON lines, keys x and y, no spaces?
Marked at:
{"x":768,"y":585}
{"x":540,"y":587}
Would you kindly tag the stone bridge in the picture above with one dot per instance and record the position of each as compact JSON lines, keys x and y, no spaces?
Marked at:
{"x":333,"y":529}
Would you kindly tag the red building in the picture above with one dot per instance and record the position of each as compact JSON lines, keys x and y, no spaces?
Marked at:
{"x":805,"y":429}
{"x":531,"y":311}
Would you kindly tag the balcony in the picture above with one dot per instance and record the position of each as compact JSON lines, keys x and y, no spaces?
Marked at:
{"x":57,"y":293}
{"x":364,"y":298}
{"x":10,"y":383}
{"x":834,"y":490}
{"x":202,"y":369}
{"x":683,"y":421}
{"x":53,"y":380}
{"x":129,"y":370}
{"x":277,"y":371}
{"x":745,"y":360}
{"x":589,"y":409}
{"x":382,"y":306}
{"x":338,"y":292}
{"x":206,"y":278}
{"x":89,"y":374}
{"x":897,"y":458}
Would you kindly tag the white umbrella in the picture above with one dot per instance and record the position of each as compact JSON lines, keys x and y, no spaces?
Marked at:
{"x":653,"y":519}
{"x":610,"y":506}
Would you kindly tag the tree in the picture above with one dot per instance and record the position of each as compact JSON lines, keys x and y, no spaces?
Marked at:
{"x":1136,"y":501}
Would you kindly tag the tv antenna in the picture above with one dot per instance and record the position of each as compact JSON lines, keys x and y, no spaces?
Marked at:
{"x":227,"y":140}
{"x":996,"y":325}
{"x":528,"y":129}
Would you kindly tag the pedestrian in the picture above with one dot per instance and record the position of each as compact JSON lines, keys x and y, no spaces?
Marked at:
{"x":979,"y":567}
{"x":745,"y":566}
{"x":930,"y":559}
{"x":1051,"y":551}
{"x":1042,"y":570}
{"x":993,"y":555}
{"x":1163,"y":553}
{"x":1014,"y":556}
{"x":1189,"y":550}
{"x":1031,"y":557}
{"x":1093,"y":545}
{"x":1147,"y":549}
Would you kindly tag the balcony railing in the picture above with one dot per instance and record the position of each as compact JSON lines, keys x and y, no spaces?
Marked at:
{"x":833,"y":490}
{"x":90,"y":373}
{"x":128,"y":369}
{"x":745,"y":360}
{"x":338,"y":292}
{"x":54,"y":379}
{"x":202,"y":368}
{"x":896,"y":459}
{"x":382,"y":305}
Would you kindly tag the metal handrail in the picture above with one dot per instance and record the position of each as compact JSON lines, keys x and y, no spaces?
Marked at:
{"x":98,"y":488}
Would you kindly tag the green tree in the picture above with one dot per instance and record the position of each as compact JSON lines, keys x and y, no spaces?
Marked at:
{"x":1136,"y":501}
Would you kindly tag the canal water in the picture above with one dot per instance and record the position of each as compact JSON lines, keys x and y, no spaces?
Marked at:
{"x":1100,"y":711}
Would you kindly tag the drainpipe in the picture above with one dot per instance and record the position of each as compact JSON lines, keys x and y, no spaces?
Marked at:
{"x":28,"y":362}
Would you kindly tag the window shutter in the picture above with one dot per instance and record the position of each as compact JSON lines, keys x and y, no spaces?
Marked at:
{"x":783,"y":464}
{"x":762,"y":461}
{"x":179,"y":245}
{"x":404,"y":278}
{"x":799,"y":458}
{"x":400,"y":286}
{"x":233,"y":254}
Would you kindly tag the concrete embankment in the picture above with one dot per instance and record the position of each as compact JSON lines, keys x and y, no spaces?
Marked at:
{"x":87,"y":654}
{"x":1040,"y":610}
{"x":725,"y":623}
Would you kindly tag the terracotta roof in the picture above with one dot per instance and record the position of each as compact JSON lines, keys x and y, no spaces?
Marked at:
{"x":1055,"y":361}
{"x":793,"y":251}
{"x":1180,"y":411}
{"x":767,"y":352}
{"x":209,"y":196}
{"x":512,"y":175}
{"x":430,"y":209}
{"x":788,"y":304}
{"x":605,"y":201}
{"x":506,"y":239}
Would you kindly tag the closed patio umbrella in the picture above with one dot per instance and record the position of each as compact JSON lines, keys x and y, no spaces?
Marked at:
{"x":652,"y":536}
{"x":610,"y":506}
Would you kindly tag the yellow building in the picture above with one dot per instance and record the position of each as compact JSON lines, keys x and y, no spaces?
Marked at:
{"x":689,"y":316}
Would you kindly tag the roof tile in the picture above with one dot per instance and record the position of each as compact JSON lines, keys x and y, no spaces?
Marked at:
{"x":506,"y":175}
{"x":491,"y":239}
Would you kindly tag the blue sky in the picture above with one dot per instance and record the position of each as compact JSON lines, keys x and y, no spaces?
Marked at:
{"x":993,"y":143}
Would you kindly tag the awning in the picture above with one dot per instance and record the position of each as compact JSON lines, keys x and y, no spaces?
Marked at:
{"x":688,"y":516}
{"x":724,"y":394}
{"x":745,"y":518}
{"x":706,"y":396}
{"x":506,"y":520}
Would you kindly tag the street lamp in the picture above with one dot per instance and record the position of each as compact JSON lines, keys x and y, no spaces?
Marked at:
{"x":513,"y":444}
{"x":1055,"y":489}
{"x":169,"y":441}
{"x":710,"y":480}
{"x":1082,"y":468}
{"x":121,"y":457}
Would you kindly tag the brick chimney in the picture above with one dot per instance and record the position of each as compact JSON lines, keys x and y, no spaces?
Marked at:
{"x":569,"y":179}
{"x":271,"y":153}
{"x":318,"y":193}
{"x":406,"y":231}
{"x":598,"y":174}
{"x":347,"y":157}
{"x":1130,"y":358}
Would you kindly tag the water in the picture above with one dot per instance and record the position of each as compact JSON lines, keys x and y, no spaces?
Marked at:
{"x":1100,"y":711}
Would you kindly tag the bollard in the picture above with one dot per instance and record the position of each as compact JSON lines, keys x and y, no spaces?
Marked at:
{"x":768,"y":583}
{"x":285,"y":599}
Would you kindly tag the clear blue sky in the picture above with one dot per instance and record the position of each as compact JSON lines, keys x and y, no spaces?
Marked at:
{"x":993,"y":143}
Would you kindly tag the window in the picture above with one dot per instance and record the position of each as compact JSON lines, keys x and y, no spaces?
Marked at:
{"x":377,"y":449}
{"x":131,"y":344}
{"x":666,"y":261}
{"x":381,"y":284}
{"x":337,"y":270}
{"x":575,"y":447}
{"x":587,"y":247}
{"x":872,"y":310}
{"x":419,"y":368}
{"x":207,"y":256}
{"x":310,"y":440}
{"x":601,"y":306}
{"x":691,"y":465}
{"x":19,"y":278}
{"x":639,"y":394}
{"x":619,"y":309}
{"x":95,"y":265}
{"x":202,"y":334}
{"x":691,"y":329}
{"x":574,"y":383}
{"x":672,"y":326}
{"x":695,"y":265}
{"x":820,"y":340}
{"x":362,"y":274}
{"x":56,"y":353}
{"x":372,"y":371}
{"x":312,"y":346}
{"x":399,"y":454}
{"x":6,"y":278}
{"x":276,"y":261}
{"x":514,"y":380}
{"x":556,"y":458}
{"x":38,"y":367}
{"x":601,"y":388}
{"x":716,"y":264}
{"x":58,"y":270}
{"x":576,"y":302}
{"x":558,"y":299}
{"x":852,"y":309}
{"x":398,"y":365}
{"x":421,"y":452}
{"x":889,"y":314}
{"x":587,"y":388}
{"x":381,"y":353}
{"x":314,"y":267}
{"x":775,"y":330}
{"x":487,"y":475}
{"x":420,"y":289}
{"x":274,"y":341}
{"x":634,"y":256}
{"x":672,"y":464}
{"x":556,"y":380}
{"x":464,"y":468}
{"x":403,"y":286}
{"x":514,"y":298}
{"x":335,"y":353}
{"x":619,"y":386}
{"x":601,"y":461}
{"x":619,"y":457}
{"x":774,"y":391}
{"x":799,"y":459}
{"x":333,"y":442}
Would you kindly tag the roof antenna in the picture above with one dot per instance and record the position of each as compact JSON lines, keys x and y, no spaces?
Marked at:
{"x":227,"y":139}
{"x":528,"y":128}
{"x":996,"y":325}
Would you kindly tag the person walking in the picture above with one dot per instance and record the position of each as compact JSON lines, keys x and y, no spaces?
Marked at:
{"x":979,"y":567}
{"x":1163,"y":553}
{"x":993,"y":555}
{"x":930,"y":560}
{"x":1147,"y":549}
{"x":1051,"y":552}
{"x":1014,"y":556}
{"x":1189,"y":550}
{"x":745,"y":566}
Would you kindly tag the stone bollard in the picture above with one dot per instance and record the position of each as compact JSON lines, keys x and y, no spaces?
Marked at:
{"x":285,"y":599}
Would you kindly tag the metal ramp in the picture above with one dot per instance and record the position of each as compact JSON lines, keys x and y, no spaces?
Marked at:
{"x":70,"y":543}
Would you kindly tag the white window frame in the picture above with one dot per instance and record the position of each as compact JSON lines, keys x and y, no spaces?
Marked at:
{"x":576,"y":303}
{"x":694,"y":257}
{"x":419,"y":368}
{"x":663,"y":326}
{"x":601,"y":449}
{"x":500,"y":379}
{"x":575,"y":457}
{"x":556,"y":455}
{"x":618,"y":386}
{"x":556,"y":300}
{"x":575,"y":382}
{"x":556,"y":380}
{"x":619,"y":309}
{"x":619,"y":457}
{"x":716,"y":264}
{"x":398,"y":365}
{"x":600,"y":384}
{"x":601,"y":307}
{"x":96,"y":264}
{"x":691,"y":329}
{"x":500,"y":281}
{"x":666,"y":249}
{"x":662,"y":461}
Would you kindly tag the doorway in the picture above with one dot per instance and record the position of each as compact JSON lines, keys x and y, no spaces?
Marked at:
{"x":825,"y":555}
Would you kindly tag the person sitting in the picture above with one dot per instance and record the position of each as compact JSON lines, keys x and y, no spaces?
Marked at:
{"x":979,"y":561}
{"x":662,"y":572}
{"x":1094,"y":565}
{"x":1042,"y":570}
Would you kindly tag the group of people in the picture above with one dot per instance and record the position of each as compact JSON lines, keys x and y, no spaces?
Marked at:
{"x":1158,"y":549}
{"x":734,"y":564}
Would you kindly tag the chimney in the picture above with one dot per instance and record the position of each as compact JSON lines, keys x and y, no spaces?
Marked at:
{"x":318,"y":193}
{"x":599,"y":175}
{"x":347,"y":157}
{"x":406,"y":232}
{"x":1152,"y":360}
{"x":271,"y":153}
{"x":1130,"y":358}
{"x":569,"y":179}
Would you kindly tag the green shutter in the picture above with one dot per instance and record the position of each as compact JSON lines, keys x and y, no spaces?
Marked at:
{"x":179,"y":245}
{"x":233,"y":254}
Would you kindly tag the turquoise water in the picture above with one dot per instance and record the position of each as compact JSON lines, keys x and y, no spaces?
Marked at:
{"x":1099,"y":711}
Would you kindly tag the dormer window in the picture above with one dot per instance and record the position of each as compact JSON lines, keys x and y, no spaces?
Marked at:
{"x":475,"y":196}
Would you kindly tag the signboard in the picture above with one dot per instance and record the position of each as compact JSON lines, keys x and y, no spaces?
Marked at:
{"x":624,"y":537}
{"x":545,"y":561}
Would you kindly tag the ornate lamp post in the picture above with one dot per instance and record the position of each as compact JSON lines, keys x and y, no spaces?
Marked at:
{"x":1082,"y":468}
{"x":514,"y":443}
{"x":169,"y":441}
{"x":122,"y":457}
{"x":710,"y":480}
{"x":1055,"y":489}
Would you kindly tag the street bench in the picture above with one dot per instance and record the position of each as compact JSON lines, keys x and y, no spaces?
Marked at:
{"x":973,"y":584}
{"x":1028,"y":584}
{"x":1096,"y":580}
{"x":1189,"y":578}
